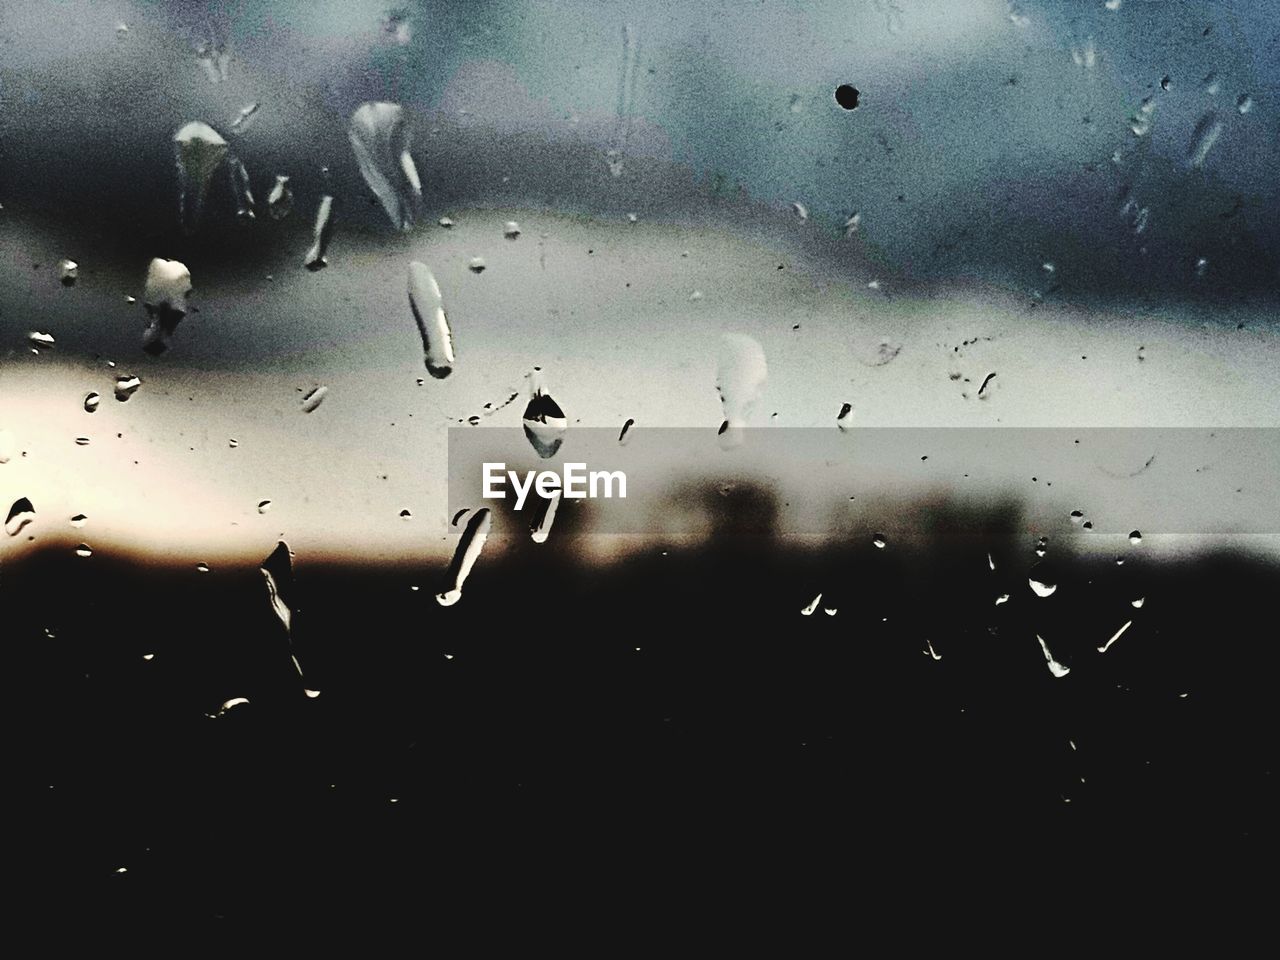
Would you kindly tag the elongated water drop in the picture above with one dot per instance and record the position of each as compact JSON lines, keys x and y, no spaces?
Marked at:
{"x":322,"y":232}
{"x":1056,"y":668}
{"x":544,"y":514}
{"x":1203,"y":137}
{"x":240,"y":123}
{"x":240,"y":187}
{"x":84,"y":551}
{"x":68,"y":272}
{"x":41,"y":340}
{"x":277,"y":573}
{"x":126,"y":386}
{"x":469,"y":546}
{"x":91,"y":402}
{"x":433,"y":324}
{"x":740,"y":378}
{"x":626,"y":427}
{"x":1040,"y":585}
{"x":280,"y":199}
{"x":808,"y":611}
{"x":1118,"y":634}
{"x":380,"y":138}
{"x":313,"y":398}
{"x":165,"y":299}
{"x":544,"y":422}
{"x":199,"y":150}
{"x":20,"y":514}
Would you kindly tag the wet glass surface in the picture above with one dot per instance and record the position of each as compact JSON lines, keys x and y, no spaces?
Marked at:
{"x":936,"y":342}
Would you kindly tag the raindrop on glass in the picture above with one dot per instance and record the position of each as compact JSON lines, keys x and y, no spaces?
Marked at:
{"x":20,"y":514}
{"x":321,"y":234}
{"x":164,"y":298}
{"x":468,"y":551}
{"x":380,"y":139}
{"x":126,"y":386}
{"x":199,"y":150}
{"x":84,"y":550}
{"x":427,"y":306}
{"x":313,"y":398}
{"x":91,"y":402}
{"x":280,"y":199}
{"x":544,"y":422}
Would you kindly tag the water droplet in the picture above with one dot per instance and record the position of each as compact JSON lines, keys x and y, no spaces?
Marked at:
{"x":164,"y":298}
{"x":1202,"y":267}
{"x":740,"y":378}
{"x":20,"y":514}
{"x":380,"y":139}
{"x":264,"y":506}
{"x":122,"y":30}
{"x":633,"y":218}
{"x":68,"y":272}
{"x":830,"y":611}
{"x":231,"y":704}
{"x":233,"y":443}
{"x":1165,"y":82}
{"x":321,"y":234}
{"x":126,"y":386}
{"x":1135,"y":537}
{"x":1085,"y":55}
{"x":1203,"y":137}
{"x":847,"y":96}
{"x":511,"y":229}
{"x":446,"y":222}
{"x":397,"y":28}
{"x":280,"y":199}
{"x":202,"y":568}
{"x":1041,"y":585}
{"x":544,"y":422}
{"x":930,"y":651}
{"x":82,"y":441}
{"x":469,"y":546}
{"x":148,"y":656}
{"x":427,"y":306}
{"x":544,"y":514}
{"x":852,"y":224}
{"x":240,"y":187}
{"x":91,"y":401}
{"x":240,"y":122}
{"x":213,"y":59}
{"x":277,"y":573}
{"x":1244,"y":103}
{"x":879,"y":541}
{"x":199,"y":150}
{"x":622,"y":435}
{"x":844,"y":419}
{"x":79,"y":520}
{"x":696,"y":295}
{"x":800,"y":210}
{"x":1057,"y":669}
{"x":476,"y":264}
{"x":1211,"y":84}
{"x":1137,"y":604}
{"x":313,"y":398}
{"x":1140,"y":120}
{"x":1112,"y":4}
{"x":84,"y":550}
{"x":39,"y":340}
{"x":1003,"y":598}
{"x":808,"y":611}
{"x":1118,"y":634}
{"x":406,"y":515}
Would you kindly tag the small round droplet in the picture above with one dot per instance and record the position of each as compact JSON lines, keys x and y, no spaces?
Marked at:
{"x":202,"y":568}
{"x":847,"y":96}
{"x":446,"y":222}
{"x":91,"y":402}
{"x":79,"y":520}
{"x":511,"y":230}
{"x":476,"y":265}
{"x":264,"y":506}
{"x":1135,"y":537}
{"x":878,"y":541}
{"x":84,"y":550}
{"x":233,"y":443}
{"x":406,"y":515}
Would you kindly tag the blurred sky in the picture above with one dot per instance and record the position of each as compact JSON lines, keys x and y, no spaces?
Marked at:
{"x":981,"y":152}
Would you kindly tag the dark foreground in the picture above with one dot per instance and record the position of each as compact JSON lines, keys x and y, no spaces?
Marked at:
{"x":744,"y":752}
